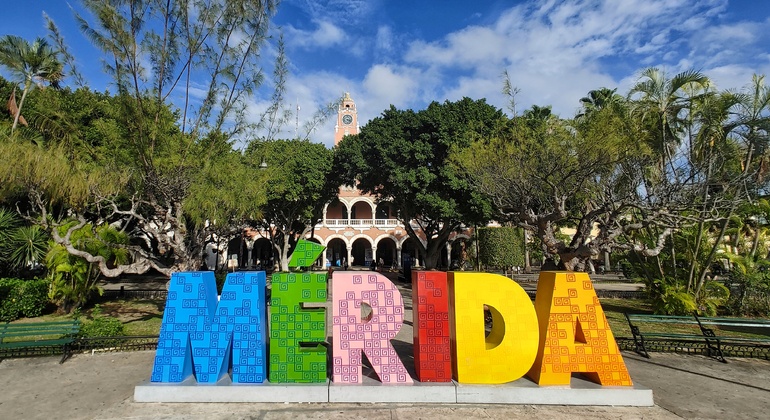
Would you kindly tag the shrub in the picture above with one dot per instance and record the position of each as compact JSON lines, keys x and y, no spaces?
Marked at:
{"x":501,"y":247}
{"x":22,"y":298}
{"x":102,"y":326}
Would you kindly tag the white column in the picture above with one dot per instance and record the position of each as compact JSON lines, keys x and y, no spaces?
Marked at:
{"x":350,"y":256}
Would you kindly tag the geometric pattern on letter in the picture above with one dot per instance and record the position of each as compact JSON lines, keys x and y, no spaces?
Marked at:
{"x":507,"y":353}
{"x":432,"y":353}
{"x":564,"y":300}
{"x":201,"y":335}
{"x":305,"y":253}
{"x":291,"y":325}
{"x":353,"y":335}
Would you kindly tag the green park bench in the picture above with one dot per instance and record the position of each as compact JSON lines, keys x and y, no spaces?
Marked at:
{"x":711,"y":331}
{"x":25,"y":338}
{"x":719,"y":330}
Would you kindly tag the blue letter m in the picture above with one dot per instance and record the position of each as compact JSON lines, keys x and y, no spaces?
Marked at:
{"x":196,"y":338}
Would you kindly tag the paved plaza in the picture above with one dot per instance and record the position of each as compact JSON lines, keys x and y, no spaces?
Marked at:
{"x":101,"y":386}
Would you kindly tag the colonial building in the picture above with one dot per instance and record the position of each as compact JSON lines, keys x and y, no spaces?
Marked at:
{"x":356,"y":230}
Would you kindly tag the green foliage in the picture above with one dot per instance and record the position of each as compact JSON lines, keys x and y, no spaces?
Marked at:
{"x":8,"y":223}
{"x":21,"y":247}
{"x":22,"y":298}
{"x":73,"y":279}
{"x":297,"y":183}
{"x":102,"y":326}
{"x":712,"y":297}
{"x":31,"y":245}
{"x":672,"y":299}
{"x":547,"y":173}
{"x":501,"y":247}
{"x":750,"y":278}
{"x":402,"y":157}
{"x":226,"y":190}
{"x":31,"y":64}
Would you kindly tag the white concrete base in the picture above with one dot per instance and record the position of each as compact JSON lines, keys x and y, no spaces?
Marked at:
{"x":580,"y":392}
{"x":523,"y":391}
{"x":372,"y":390}
{"x":190,"y":391}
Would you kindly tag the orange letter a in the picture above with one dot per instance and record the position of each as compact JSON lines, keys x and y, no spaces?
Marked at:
{"x":574,"y":333}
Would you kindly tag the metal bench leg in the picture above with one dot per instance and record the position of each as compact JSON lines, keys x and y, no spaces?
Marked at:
{"x":66,"y":354}
{"x":715,"y":351}
{"x":639,"y":346}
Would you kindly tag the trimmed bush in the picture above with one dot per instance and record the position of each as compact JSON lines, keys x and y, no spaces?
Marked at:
{"x":22,"y":298}
{"x":501,"y":247}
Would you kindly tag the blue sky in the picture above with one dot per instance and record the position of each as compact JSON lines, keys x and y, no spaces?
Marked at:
{"x":409,"y":53}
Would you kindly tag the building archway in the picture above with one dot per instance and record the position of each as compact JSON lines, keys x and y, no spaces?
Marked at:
{"x":361,"y":209}
{"x":384,"y":211}
{"x":264,"y":254}
{"x":460,"y":251}
{"x":410,"y":254}
{"x":387,"y":251}
{"x":336,"y":210}
{"x":361,"y":253}
{"x":336,"y":251}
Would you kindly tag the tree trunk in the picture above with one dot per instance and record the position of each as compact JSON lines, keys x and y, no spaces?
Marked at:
{"x":21,"y":104}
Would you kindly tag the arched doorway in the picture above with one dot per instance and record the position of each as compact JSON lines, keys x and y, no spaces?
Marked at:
{"x":336,"y":211}
{"x":235,"y":249}
{"x":361,"y":253}
{"x":410,"y":254}
{"x":459,"y":255}
{"x":386,"y":250}
{"x":263,"y":254}
{"x":361,"y":210}
{"x":383,"y":211}
{"x":336,"y":251}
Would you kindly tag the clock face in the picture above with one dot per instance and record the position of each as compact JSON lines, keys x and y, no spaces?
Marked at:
{"x":347,"y":119}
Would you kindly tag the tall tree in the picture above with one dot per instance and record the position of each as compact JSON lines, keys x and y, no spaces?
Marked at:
{"x":159,"y":156}
{"x":546,"y":174}
{"x":402,"y":157}
{"x":32,"y":64}
{"x":660,"y":101}
{"x":298,"y":185}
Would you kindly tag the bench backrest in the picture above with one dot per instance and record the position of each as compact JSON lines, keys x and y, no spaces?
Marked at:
{"x":39,"y":329}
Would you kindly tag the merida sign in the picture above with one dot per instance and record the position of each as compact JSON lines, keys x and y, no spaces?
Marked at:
{"x":209,"y":339}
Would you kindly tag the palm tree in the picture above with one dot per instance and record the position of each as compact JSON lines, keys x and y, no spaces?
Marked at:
{"x":661,"y":102}
{"x":34,"y":64}
{"x":755,"y":122}
{"x":600,"y":99}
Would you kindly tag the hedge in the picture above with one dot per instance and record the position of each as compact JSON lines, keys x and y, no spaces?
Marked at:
{"x":501,"y":247}
{"x":22,"y":298}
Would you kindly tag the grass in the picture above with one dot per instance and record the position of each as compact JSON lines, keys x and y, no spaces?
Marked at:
{"x":140,"y":316}
{"x":614,"y":310}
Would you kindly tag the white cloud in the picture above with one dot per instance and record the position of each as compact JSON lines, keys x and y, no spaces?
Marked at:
{"x":384,"y":40}
{"x":385,"y":84}
{"x":325,"y":35}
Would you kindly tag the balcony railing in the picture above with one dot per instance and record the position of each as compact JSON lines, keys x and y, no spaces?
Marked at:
{"x":359,"y":223}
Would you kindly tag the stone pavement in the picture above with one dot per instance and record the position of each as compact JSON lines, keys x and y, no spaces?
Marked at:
{"x":101,"y":386}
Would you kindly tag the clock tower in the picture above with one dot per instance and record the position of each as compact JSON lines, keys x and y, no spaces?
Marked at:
{"x":347,"y":119}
